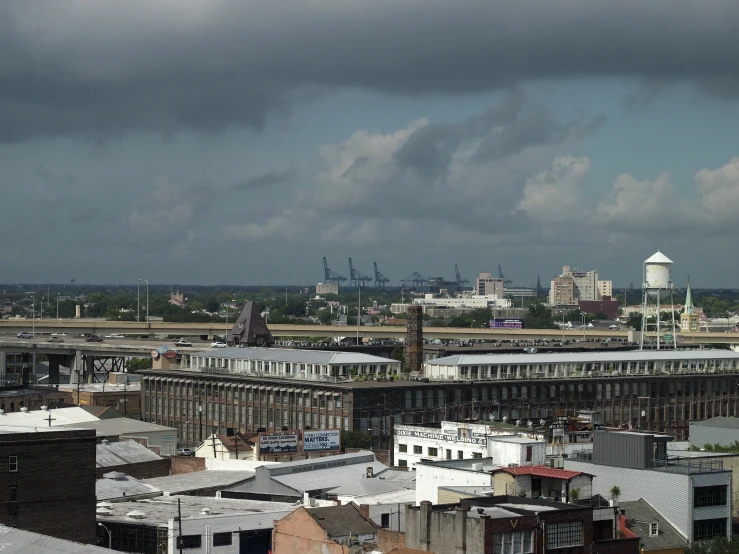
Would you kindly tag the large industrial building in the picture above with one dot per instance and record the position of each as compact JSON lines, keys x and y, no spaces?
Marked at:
{"x":657,"y":391}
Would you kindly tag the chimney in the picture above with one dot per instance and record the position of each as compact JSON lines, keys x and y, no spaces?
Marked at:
{"x":414,"y":339}
{"x":364,"y":511}
{"x":425,"y":538}
{"x":460,"y":530}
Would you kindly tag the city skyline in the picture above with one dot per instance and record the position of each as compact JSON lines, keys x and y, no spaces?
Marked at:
{"x":239,"y":141}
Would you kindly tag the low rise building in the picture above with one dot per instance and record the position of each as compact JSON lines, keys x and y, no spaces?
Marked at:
{"x":156,"y":436}
{"x":290,"y":481}
{"x":115,"y":486}
{"x":48,"y":481}
{"x":199,"y":483}
{"x":225,"y":447}
{"x":327,"y":530}
{"x":471,"y":473}
{"x":224,"y":526}
{"x":451,"y":440}
{"x":510,"y":524}
{"x":655,"y":533}
{"x":638,"y":466}
{"x":130,"y":458}
{"x":26,"y":541}
{"x":327,"y":288}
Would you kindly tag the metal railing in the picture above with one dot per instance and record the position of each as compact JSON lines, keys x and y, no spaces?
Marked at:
{"x":688,"y":465}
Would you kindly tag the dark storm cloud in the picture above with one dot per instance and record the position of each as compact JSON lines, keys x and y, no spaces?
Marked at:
{"x":264,"y":180}
{"x":83,"y":67}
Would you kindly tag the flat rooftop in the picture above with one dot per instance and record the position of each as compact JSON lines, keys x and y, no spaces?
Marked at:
{"x":467,"y":464}
{"x":159,"y":510}
{"x":291,"y":355}
{"x":584,"y":357}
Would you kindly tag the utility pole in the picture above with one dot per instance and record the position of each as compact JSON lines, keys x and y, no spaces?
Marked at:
{"x":213,"y":440}
{"x":179,"y":520}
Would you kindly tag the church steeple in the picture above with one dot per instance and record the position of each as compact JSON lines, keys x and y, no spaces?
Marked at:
{"x":688,"y":300}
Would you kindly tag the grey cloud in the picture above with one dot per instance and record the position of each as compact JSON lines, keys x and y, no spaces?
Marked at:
{"x":111,"y":68}
{"x":269,"y":179}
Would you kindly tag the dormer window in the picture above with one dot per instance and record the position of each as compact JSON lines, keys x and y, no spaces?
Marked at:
{"x":653,"y":529}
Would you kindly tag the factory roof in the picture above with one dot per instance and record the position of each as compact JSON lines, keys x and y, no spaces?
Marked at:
{"x":719,"y":422}
{"x":116,"y":485}
{"x":401,"y":496}
{"x":120,"y":426}
{"x":367,"y":487}
{"x":584,"y":357}
{"x":292,"y":355}
{"x":13,"y":539}
{"x":109,"y":454}
{"x":198,"y":480}
{"x":160,"y":510}
{"x":327,"y":479}
{"x":39,"y":418}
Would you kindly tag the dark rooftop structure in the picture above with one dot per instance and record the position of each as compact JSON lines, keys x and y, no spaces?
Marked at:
{"x":250,"y":328}
{"x":640,"y":519}
{"x":340,"y":521}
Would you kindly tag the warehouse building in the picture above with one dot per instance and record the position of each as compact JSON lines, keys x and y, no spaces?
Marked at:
{"x":653,"y":390}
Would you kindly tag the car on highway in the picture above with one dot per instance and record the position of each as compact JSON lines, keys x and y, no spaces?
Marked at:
{"x":185,"y":452}
{"x":182,"y":342}
{"x":59,"y":334}
{"x":114,"y":336}
{"x":94,"y":338}
{"x":24,"y":335}
{"x":55,"y":338}
{"x":218,"y":344}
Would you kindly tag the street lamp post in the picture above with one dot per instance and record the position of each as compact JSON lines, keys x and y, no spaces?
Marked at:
{"x":147,"y":301}
{"x":138,"y":300}
{"x":359,"y":311}
{"x":57,"y":305}
{"x":110,"y":536}
{"x":33,"y":314}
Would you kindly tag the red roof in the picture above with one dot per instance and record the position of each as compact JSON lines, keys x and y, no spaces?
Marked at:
{"x":542,"y":471}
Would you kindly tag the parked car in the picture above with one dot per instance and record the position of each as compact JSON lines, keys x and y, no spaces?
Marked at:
{"x":218,"y":344}
{"x":185,"y":452}
{"x":55,"y":338}
{"x":24,"y":335}
{"x":182,"y":342}
{"x":94,"y":338}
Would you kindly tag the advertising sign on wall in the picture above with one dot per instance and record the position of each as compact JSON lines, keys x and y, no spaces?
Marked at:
{"x":278,"y":443}
{"x":506,"y":324}
{"x":327,"y":439}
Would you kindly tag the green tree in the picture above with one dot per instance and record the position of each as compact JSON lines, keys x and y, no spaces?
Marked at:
{"x":539,"y":316}
{"x":134,"y":365}
{"x":356,"y":439}
{"x":716,"y":545}
{"x":634,"y":321}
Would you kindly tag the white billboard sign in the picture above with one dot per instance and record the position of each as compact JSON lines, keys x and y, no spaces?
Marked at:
{"x":327,"y":439}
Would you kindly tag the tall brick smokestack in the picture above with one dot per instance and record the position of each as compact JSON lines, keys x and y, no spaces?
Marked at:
{"x":414,"y":339}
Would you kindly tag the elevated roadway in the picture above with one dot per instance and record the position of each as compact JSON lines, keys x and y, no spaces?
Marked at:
{"x":172,"y":329}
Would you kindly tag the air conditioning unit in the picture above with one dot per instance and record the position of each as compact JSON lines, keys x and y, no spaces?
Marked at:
{"x":512,"y":465}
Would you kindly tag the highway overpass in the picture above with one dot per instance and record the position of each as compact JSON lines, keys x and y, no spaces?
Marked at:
{"x":172,"y":329}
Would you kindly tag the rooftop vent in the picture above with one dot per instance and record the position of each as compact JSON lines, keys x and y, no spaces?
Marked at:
{"x":44,"y":408}
{"x":104,"y":505}
{"x":102,"y":511}
{"x":2,"y":412}
{"x":476,"y":467}
{"x":135,"y":514}
{"x":24,"y":409}
{"x":205,"y":511}
{"x":105,"y":441}
{"x":115,"y":475}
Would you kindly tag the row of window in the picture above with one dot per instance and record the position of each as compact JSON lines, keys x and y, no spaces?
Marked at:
{"x":195,"y":541}
{"x":709,"y":496}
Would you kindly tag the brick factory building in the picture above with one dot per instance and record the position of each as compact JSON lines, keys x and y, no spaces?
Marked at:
{"x":37,"y":492}
{"x":643,"y":390}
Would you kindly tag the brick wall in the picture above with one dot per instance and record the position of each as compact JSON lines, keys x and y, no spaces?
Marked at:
{"x":186,"y":464}
{"x":55,"y":482}
{"x":389,"y":540}
{"x":142,"y":470}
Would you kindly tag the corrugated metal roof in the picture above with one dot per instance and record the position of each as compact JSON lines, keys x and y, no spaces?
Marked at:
{"x":126,"y":486}
{"x":179,"y":484}
{"x":120,"y":426}
{"x":295,"y":356}
{"x":364,"y":487}
{"x":719,"y":422}
{"x":542,"y":471}
{"x":326,"y":479}
{"x":584,"y":357}
{"x":123,"y":452}
{"x":26,"y":542}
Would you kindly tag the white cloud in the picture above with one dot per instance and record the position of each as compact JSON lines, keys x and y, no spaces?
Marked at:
{"x":556,"y":194}
{"x":719,"y":189}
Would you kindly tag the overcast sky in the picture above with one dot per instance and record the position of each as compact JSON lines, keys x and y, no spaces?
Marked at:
{"x":240,"y":141}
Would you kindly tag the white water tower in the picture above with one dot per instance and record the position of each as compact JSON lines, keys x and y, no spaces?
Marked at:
{"x":658,"y":275}
{"x":656,"y":287}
